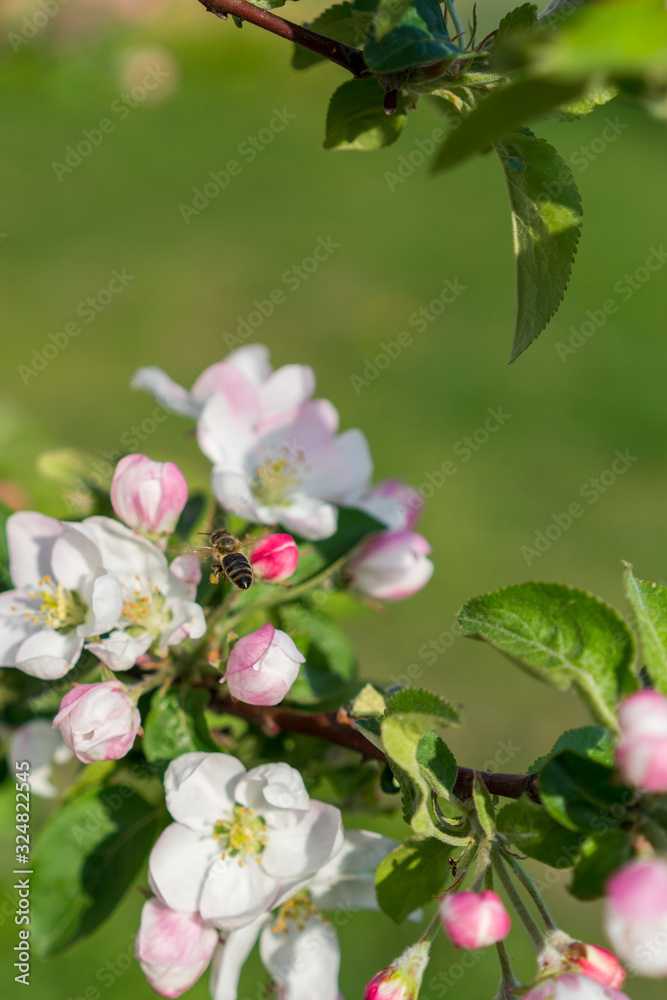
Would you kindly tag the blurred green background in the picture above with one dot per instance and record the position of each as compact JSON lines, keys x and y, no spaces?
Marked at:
{"x":192,"y":282}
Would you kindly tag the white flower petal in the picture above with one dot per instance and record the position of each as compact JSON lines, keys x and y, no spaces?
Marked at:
{"x":31,"y":537}
{"x":126,"y":554}
{"x":276,"y":792}
{"x":105,"y":604}
{"x":348,"y":881}
{"x":287,"y":387}
{"x":252,"y":360}
{"x":40,"y":744}
{"x":223,"y":436}
{"x":120,"y":651}
{"x":172,"y":395}
{"x":199,"y":788}
{"x":303,"y":961}
{"x":295,"y":851}
{"x":178,"y":866}
{"x":75,"y":558}
{"x":229,"y":959}
{"x":48,"y":654}
{"x":17,"y":610}
{"x":307,"y":517}
{"x":233,"y":492}
{"x":236,"y":891}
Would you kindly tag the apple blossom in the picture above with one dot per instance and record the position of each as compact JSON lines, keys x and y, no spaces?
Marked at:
{"x":148,"y":496}
{"x":98,"y":721}
{"x":158,"y":599}
{"x":241,"y":841}
{"x":402,"y":979}
{"x":244,"y":378}
{"x":391,"y":565}
{"x":474,"y":919}
{"x":291,"y":469}
{"x":37,"y":743}
{"x":173,"y":949}
{"x":392,"y":502}
{"x":263,"y":666}
{"x":641,"y":755}
{"x":563,"y":954}
{"x":274,"y":558}
{"x":64,"y":595}
{"x":636,"y":915}
{"x":573,"y":988}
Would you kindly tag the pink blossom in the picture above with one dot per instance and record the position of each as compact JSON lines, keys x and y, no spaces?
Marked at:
{"x":263,"y":666}
{"x":148,"y":496}
{"x":173,"y":949}
{"x":474,"y":919}
{"x":641,"y":755}
{"x":563,"y":954}
{"x":393,"y":502}
{"x":402,"y":979}
{"x":98,"y":721}
{"x":573,"y":988}
{"x":602,"y":966}
{"x":275,"y":557}
{"x":391,"y":565}
{"x":636,"y":915}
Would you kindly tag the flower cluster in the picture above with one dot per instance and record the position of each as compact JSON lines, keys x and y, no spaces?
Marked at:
{"x":252,"y":855}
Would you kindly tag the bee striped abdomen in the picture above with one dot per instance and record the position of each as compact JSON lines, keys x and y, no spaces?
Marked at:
{"x":237,"y":569}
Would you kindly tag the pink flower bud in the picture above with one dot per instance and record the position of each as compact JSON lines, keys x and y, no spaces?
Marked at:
{"x":474,"y":919}
{"x":402,"y":979}
{"x":172,"y":948}
{"x":391,"y":565}
{"x":263,"y":666}
{"x":393,"y":502}
{"x":275,"y":557}
{"x":573,"y":988}
{"x":636,"y":915}
{"x":600,"y":965}
{"x":98,"y":721}
{"x":148,"y":496}
{"x":641,"y":755}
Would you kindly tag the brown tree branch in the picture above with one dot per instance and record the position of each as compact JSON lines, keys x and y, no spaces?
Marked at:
{"x":337,"y":727}
{"x":343,"y":55}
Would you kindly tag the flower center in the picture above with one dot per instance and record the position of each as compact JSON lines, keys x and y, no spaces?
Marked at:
{"x":278,"y":477}
{"x":299,"y":908}
{"x":61,"y":609}
{"x":244,"y":834}
{"x":144,"y":612}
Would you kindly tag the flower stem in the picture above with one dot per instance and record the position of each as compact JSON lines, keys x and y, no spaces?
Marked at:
{"x":451,"y":7}
{"x":508,"y":982}
{"x":531,"y":888}
{"x":515,"y":899}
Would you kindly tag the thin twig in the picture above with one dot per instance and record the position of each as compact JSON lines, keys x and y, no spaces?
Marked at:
{"x":343,"y":55}
{"x":338,"y":728}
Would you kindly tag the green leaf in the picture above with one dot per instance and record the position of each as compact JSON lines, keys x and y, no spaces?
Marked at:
{"x":601,"y":855}
{"x":330,"y":660}
{"x":563,"y":636}
{"x":437,"y":764}
{"x":500,"y":114}
{"x":344,"y":22}
{"x":580,"y":794}
{"x":356,"y":118}
{"x":442,"y":713}
{"x":649,"y":603}
{"x":86,"y":858}
{"x":419,"y":38}
{"x":389,"y":14}
{"x":517,"y":22}
{"x":617,"y":39}
{"x":546,"y":226}
{"x":411,"y":876}
{"x":533,"y":832}
{"x":594,"y":742}
{"x":580,"y":107}
{"x":176,"y":724}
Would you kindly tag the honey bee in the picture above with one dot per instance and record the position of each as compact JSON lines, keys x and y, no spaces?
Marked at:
{"x":228,"y":560}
